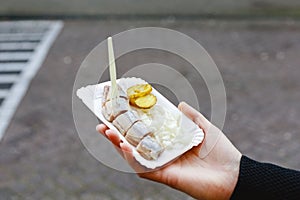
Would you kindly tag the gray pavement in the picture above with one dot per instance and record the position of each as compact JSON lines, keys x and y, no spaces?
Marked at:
{"x":129,"y":8}
{"x":42,"y":156}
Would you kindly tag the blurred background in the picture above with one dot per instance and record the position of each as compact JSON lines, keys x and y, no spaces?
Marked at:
{"x":255,"y":45}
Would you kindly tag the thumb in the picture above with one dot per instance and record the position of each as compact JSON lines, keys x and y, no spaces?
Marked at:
{"x":195,"y":116}
{"x":212,"y":133}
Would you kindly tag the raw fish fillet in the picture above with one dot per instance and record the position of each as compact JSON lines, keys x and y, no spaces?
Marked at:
{"x":106,"y":94}
{"x":136,"y":133}
{"x":128,"y":123}
{"x":110,"y":112}
{"x":124,"y":121}
{"x":149,"y":148}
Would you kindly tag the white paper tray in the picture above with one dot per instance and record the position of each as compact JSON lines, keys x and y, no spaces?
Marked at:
{"x":91,"y":96}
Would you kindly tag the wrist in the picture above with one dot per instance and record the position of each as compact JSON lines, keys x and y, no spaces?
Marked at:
{"x":231,"y":176}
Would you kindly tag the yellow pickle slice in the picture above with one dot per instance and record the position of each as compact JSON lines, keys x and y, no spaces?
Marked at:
{"x":139,"y":90}
{"x":145,"y":101}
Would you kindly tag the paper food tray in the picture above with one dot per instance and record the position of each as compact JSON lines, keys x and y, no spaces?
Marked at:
{"x":91,"y":96}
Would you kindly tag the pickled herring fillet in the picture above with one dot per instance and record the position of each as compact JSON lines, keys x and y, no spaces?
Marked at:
{"x":128,"y":122}
{"x":110,"y":112}
{"x":124,"y":121}
{"x":149,"y":148}
{"x":136,"y":133}
{"x":106,"y":94}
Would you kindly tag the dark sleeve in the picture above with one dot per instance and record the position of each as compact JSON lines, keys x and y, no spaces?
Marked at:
{"x":266,"y":181}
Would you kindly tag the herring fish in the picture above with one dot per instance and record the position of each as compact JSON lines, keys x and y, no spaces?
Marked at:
{"x":106,"y":94}
{"x":149,"y":148}
{"x":137,"y":132}
{"x":127,"y":121}
{"x":124,"y":121}
{"x":110,"y":111}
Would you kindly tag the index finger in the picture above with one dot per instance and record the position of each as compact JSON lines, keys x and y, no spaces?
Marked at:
{"x":102,"y":128}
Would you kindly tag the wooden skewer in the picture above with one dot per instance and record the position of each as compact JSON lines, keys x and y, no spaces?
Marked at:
{"x":112,"y":71}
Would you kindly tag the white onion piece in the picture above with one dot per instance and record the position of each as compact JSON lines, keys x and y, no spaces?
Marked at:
{"x":164,"y":125}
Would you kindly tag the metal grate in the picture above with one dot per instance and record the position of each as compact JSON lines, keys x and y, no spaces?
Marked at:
{"x":23,"y":47}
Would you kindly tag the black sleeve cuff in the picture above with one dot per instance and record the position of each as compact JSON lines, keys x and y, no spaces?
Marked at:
{"x":266,"y":181}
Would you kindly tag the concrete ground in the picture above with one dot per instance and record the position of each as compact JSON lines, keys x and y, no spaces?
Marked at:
{"x":129,"y":8}
{"x":42,"y":156}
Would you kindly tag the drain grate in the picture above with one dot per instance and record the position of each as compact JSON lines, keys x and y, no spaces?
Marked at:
{"x":23,"y":47}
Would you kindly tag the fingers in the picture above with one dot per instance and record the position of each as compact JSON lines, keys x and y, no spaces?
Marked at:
{"x":113,"y":137}
{"x":110,"y":134}
{"x":115,"y":140}
{"x":101,"y":128}
{"x":125,"y":150}
{"x":128,"y":155}
{"x":142,"y":171}
{"x":195,"y":116}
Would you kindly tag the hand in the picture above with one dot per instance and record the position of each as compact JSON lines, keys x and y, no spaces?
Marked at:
{"x":208,"y":171}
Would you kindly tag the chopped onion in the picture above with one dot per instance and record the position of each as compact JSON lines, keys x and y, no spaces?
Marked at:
{"x":164,"y":124}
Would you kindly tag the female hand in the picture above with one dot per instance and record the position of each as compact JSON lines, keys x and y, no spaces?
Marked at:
{"x":208,"y":171}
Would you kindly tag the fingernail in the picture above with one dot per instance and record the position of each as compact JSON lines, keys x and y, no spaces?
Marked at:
{"x":181,"y":104}
{"x":98,"y":127}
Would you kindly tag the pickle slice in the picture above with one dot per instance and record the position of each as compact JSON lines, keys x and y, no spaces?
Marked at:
{"x":132,"y":102}
{"x":139,"y":91}
{"x":145,"y":101}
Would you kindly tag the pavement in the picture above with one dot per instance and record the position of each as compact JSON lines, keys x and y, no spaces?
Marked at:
{"x":42,"y":156}
{"x":156,"y":9}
